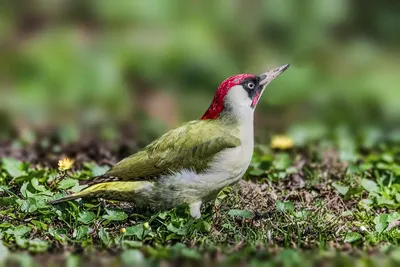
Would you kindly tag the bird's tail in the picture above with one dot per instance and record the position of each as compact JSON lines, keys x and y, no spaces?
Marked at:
{"x":66,"y":198}
{"x":99,"y":179}
{"x":94,"y":184}
{"x":123,"y":191}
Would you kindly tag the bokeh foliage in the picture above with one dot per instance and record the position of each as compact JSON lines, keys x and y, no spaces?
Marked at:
{"x":85,"y":63}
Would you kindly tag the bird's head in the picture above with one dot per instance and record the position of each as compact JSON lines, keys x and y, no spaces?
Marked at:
{"x":240,"y":93}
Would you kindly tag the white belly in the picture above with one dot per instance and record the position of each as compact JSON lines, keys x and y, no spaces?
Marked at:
{"x":228,"y":167}
{"x":187,"y":186}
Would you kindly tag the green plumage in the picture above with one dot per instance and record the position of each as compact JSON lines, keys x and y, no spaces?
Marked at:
{"x":191,"y":146}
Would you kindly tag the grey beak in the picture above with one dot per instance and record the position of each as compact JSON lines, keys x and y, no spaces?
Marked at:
{"x":271,"y":75}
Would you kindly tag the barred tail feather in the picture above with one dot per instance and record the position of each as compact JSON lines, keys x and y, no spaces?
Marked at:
{"x":99,"y":179}
{"x":64,"y":199}
{"x":122,"y":191}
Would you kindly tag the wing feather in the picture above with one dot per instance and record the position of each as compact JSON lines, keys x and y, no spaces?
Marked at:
{"x":175,"y":150}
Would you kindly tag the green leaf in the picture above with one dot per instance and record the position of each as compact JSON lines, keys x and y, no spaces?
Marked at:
{"x":32,"y":204}
{"x":21,"y":242}
{"x":136,"y":230}
{"x":381,"y":222}
{"x":393,"y":216}
{"x":104,"y":237}
{"x":256,"y":172}
{"x":163,"y":214}
{"x":86,"y":217}
{"x":39,"y":225}
{"x":13,"y":167}
{"x":384,"y":201}
{"x":36,"y":245}
{"x":99,"y":170}
{"x":284,"y":206}
{"x":241,"y":214}
{"x":59,"y":234}
{"x":369,"y":185}
{"x":179,"y":230}
{"x":224,"y":193}
{"x":387,"y":157}
{"x":341,"y":188}
{"x":67,"y":183}
{"x":5,"y":225}
{"x":115,"y":215}
{"x":82,"y":231}
{"x":282,"y":161}
{"x":24,"y":190}
{"x":35,"y":184}
{"x":19,"y":230}
{"x":7,"y":201}
{"x":203,"y":226}
{"x":302,"y":214}
{"x":352,"y":237}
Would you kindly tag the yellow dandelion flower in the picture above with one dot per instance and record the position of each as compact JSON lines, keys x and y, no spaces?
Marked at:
{"x":281,"y":142}
{"x":123,"y":230}
{"x":65,"y":164}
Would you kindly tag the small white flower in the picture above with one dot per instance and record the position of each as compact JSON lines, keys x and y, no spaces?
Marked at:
{"x":363,"y":228}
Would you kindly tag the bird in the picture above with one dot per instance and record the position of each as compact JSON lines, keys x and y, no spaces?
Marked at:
{"x":191,"y":164}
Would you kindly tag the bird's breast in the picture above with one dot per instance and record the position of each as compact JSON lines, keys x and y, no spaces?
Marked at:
{"x":235,"y":161}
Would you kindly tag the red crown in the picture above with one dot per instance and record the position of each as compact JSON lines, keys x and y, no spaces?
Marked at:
{"x":217,"y":105}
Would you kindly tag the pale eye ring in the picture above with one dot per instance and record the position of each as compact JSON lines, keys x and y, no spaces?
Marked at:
{"x":251,"y":85}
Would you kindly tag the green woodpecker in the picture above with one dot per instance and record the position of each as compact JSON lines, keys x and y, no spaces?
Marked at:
{"x":192,"y":163}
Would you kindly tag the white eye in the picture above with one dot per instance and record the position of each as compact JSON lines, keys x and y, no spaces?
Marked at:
{"x":251,"y":85}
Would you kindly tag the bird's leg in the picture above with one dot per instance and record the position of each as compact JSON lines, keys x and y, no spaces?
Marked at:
{"x":216,"y":207}
{"x":215,"y":222}
{"x":195,"y":210}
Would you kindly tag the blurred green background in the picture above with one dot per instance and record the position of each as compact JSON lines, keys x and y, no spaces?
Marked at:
{"x":88,"y":65}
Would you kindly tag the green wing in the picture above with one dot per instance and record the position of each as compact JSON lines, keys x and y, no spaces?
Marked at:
{"x":175,"y":150}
